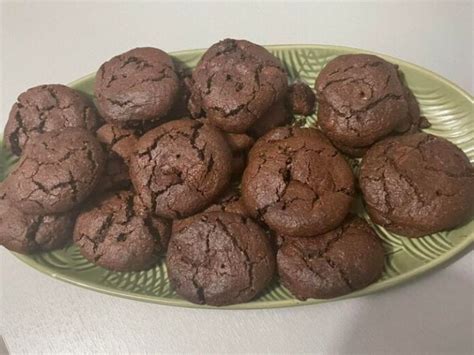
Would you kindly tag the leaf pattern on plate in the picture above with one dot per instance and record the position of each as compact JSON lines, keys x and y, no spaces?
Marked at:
{"x":68,"y":258}
{"x":447,"y":108}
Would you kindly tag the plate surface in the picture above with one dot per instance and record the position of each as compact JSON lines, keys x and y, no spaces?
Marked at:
{"x":447,"y":107}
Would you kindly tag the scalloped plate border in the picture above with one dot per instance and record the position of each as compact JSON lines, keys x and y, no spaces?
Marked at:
{"x":442,"y":260}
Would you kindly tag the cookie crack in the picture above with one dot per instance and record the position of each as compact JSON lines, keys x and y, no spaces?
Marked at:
{"x":341,"y":273}
{"x":194,"y":137}
{"x":172,"y":209}
{"x":40,"y":187}
{"x":209,"y":84}
{"x":228,"y":113}
{"x":153,"y":147}
{"x":352,"y":112}
{"x":199,"y":289}
{"x":249,"y":264}
{"x":306,"y":260}
{"x":244,"y":106}
{"x":370,"y":64}
{"x":73,"y":183}
{"x":405,"y":178}
{"x":14,"y":137}
{"x":140,"y":62}
{"x":322,"y":255}
{"x":197,"y":286}
{"x":151,"y":80}
{"x":119,"y":136}
{"x":101,"y":233}
{"x":118,"y":102}
{"x":157,"y":237}
{"x":129,"y":210}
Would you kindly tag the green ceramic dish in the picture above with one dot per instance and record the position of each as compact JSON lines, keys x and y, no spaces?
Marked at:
{"x":449,"y":109}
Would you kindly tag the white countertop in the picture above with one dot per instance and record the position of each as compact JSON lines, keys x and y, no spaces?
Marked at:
{"x":57,"y":43}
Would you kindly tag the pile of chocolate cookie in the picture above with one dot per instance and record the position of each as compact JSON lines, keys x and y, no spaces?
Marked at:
{"x":207,"y":168}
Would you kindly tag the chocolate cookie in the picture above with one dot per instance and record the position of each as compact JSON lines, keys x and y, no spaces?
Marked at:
{"x":361,"y":100}
{"x":138,"y":85}
{"x":119,"y":140}
{"x":413,"y":123}
{"x":117,"y":234}
{"x":276,"y":116}
{"x":235,"y":83}
{"x":28,"y":234}
{"x":47,"y":108}
{"x":220,"y":259}
{"x":297,"y":182}
{"x":301,"y":99}
{"x":333,"y":264}
{"x":56,"y":172}
{"x":180,"y":167}
{"x":230,"y":202}
{"x":417,"y":184}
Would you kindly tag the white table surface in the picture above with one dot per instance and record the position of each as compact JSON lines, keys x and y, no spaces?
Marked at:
{"x":59,"y":42}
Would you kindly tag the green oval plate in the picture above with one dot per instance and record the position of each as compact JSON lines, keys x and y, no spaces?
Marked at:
{"x":448,"y":108}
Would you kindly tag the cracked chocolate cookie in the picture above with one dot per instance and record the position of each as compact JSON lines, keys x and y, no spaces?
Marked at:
{"x":417,"y":184}
{"x":413,"y":124}
{"x":136,"y":86}
{"x":220,"y":259}
{"x":56,"y":172}
{"x":361,"y":100}
{"x":333,"y":264}
{"x":47,"y":108}
{"x":297,"y":183}
{"x":230,"y":202}
{"x":301,"y":99}
{"x":117,"y":234}
{"x":180,"y":167}
{"x":119,"y":140}
{"x":26,"y":234}
{"x":235,"y":83}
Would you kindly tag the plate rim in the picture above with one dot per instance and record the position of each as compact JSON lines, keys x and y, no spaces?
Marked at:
{"x":399,"y":280}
